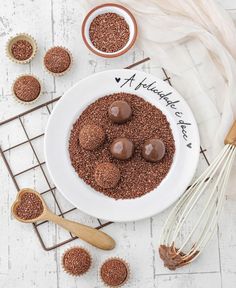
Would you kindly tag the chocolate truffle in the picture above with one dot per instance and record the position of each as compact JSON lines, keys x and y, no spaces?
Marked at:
{"x":120,"y":111}
{"x":107,"y":175}
{"x":22,"y":50}
{"x":57,"y":60}
{"x":114,"y":272}
{"x":153,"y":150}
{"x":26,"y":88}
{"x":91,"y":136}
{"x":76,"y":261}
{"x":122,"y":148}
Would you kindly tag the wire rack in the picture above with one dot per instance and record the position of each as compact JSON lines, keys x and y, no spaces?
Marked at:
{"x":42,"y":167}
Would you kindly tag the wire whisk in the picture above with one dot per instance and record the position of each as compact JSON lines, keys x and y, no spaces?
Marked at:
{"x":203,"y":199}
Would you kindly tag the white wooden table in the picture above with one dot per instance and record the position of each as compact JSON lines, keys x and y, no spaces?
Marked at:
{"x":23,"y":263}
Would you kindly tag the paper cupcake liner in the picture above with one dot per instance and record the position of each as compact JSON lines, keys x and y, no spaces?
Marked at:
{"x":21,"y":36}
{"x":64,"y":72}
{"x":128,"y":272}
{"x":68,"y":272}
{"x":26,"y":102}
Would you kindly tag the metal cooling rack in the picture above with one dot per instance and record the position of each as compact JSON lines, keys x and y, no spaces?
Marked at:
{"x":41,"y":165}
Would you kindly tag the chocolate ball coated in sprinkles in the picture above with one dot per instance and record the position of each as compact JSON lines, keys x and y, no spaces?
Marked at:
{"x":107,"y":175}
{"x":26,"y":88}
{"x":76,"y":261}
{"x":91,"y":136}
{"x":57,"y":60}
{"x":153,"y":150}
{"x":120,"y":111}
{"x":114,"y":272}
{"x":122,"y":148}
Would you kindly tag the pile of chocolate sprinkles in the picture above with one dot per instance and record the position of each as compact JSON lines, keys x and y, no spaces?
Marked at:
{"x":138,"y":176}
{"x":30,"y":206}
{"x":109,"y":32}
{"x":21,"y":50}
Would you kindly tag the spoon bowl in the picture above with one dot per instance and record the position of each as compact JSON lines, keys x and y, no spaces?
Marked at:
{"x":17,"y":202}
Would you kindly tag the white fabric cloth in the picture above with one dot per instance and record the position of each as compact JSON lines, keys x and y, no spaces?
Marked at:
{"x":165,"y":29}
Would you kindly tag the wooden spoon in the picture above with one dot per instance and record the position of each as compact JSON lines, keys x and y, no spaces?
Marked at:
{"x":91,"y":235}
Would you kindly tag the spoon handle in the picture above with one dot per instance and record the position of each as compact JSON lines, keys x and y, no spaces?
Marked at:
{"x":91,"y":235}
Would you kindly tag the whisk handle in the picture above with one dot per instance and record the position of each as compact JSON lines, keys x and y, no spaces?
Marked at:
{"x":231,"y":136}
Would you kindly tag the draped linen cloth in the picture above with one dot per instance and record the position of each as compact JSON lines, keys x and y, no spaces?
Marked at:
{"x":174,"y":33}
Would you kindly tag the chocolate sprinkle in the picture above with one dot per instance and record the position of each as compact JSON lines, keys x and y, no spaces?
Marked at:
{"x":114,"y":272}
{"x":57,"y":60}
{"x":30,"y":206}
{"x":76,"y":261}
{"x":26,"y":88}
{"x":22,"y":50}
{"x":109,"y":32}
{"x":138,"y":176}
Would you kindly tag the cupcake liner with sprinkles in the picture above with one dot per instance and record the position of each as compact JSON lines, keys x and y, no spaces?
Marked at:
{"x":63,"y":72}
{"x":18,"y":99}
{"x":21,"y":37}
{"x":67,"y":270}
{"x":127,"y":271}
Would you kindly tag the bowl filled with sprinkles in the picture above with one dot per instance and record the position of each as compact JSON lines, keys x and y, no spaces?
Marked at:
{"x":109,"y":30}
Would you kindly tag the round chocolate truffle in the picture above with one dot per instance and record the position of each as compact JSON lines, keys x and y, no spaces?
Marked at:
{"x":26,"y":88}
{"x":91,"y":136}
{"x":57,"y":60}
{"x":122,"y":148}
{"x":114,"y":272}
{"x":107,"y":175}
{"x":153,"y":150}
{"x":76,"y":261}
{"x":119,"y":111}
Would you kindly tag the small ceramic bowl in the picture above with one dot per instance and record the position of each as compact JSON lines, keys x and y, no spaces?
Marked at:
{"x":14,"y":39}
{"x":110,"y":8}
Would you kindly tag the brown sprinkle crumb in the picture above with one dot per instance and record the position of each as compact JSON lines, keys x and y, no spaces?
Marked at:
{"x":57,"y":60}
{"x":114,"y":272}
{"x":27,"y":88}
{"x":30,"y":206}
{"x":109,"y":32}
{"x":76,"y":261}
{"x":22,"y":50}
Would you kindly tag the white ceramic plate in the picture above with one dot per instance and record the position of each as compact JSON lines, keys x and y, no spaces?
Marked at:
{"x":150,"y":88}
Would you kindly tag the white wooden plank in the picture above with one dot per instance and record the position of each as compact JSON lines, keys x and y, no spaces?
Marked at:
{"x":205,"y":280}
{"x":227,"y":241}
